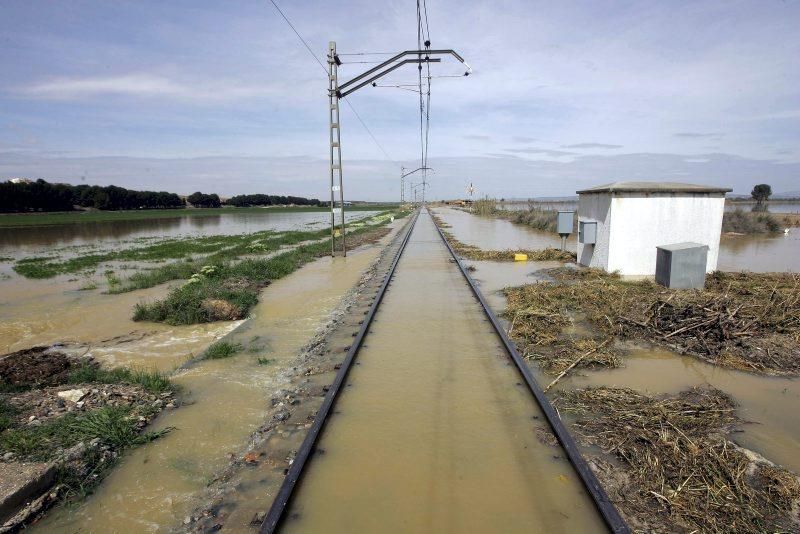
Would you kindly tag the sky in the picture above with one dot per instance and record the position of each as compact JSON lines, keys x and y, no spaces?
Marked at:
{"x":223,"y":97}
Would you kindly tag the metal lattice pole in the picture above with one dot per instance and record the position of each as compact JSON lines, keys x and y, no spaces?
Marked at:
{"x":336,"y":149}
{"x":402,"y":184}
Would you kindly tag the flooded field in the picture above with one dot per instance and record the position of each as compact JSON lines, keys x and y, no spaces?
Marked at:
{"x":771,"y":406}
{"x":773,"y":207}
{"x":37,"y":239}
{"x":158,"y":484}
{"x":756,"y":253}
{"x":497,"y":234}
{"x":432,"y":434}
{"x":760,"y":253}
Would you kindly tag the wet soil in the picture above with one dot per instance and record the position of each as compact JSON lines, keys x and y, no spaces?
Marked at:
{"x":36,"y":366}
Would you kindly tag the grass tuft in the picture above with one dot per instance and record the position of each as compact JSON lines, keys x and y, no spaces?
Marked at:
{"x":222,"y":349}
{"x":152,"y":381}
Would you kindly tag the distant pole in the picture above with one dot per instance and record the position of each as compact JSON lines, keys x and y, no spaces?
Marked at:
{"x":336,"y":149}
{"x":402,"y":184}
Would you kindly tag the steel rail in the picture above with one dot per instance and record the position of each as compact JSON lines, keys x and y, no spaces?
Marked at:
{"x":275,"y":514}
{"x":604,"y":505}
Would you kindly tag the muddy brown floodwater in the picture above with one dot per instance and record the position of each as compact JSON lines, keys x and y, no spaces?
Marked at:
{"x":760,"y":253}
{"x":756,"y":253}
{"x":434,"y":432}
{"x":497,"y":234}
{"x":157,"y":485}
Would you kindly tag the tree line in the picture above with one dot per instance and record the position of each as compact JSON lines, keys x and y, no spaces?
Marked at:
{"x":44,"y":196}
{"x":242,"y":201}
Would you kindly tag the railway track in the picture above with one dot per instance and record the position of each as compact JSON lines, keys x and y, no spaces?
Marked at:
{"x":278,"y":511}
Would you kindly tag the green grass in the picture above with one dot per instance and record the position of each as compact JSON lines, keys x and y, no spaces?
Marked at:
{"x":7,"y":413}
{"x":188,"y":304}
{"x":12,"y":220}
{"x":222,"y":349}
{"x":265,"y":361}
{"x":152,"y":381}
{"x":214,"y":249}
{"x":114,"y":425}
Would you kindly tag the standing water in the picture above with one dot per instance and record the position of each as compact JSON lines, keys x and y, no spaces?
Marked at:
{"x":497,"y":234}
{"x":436,"y":432}
{"x":158,"y":484}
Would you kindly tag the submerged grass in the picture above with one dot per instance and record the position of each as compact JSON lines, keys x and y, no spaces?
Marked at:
{"x":227,"y":290}
{"x":222,"y":349}
{"x":673,"y":468}
{"x":472,"y":252}
{"x":12,"y":220}
{"x":745,"y":321}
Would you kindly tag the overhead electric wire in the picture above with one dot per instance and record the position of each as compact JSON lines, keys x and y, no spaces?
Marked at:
{"x":325,"y":70}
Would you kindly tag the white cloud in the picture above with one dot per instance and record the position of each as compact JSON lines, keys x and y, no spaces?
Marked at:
{"x":145,"y":86}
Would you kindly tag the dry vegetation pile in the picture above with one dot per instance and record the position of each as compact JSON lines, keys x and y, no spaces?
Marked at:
{"x":744,"y":321}
{"x":472,"y":252}
{"x":671,"y":469}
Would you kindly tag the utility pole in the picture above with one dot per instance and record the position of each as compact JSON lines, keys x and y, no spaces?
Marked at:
{"x":403,"y":175}
{"x":336,"y":92}
{"x":336,"y":149}
{"x":402,"y":185}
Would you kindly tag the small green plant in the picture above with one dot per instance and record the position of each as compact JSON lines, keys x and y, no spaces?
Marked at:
{"x":222,"y":349}
{"x":113,"y":280}
{"x":7,"y":413}
{"x":266,"y":361}
{"x":114,"y":425}
{"x":152,"y":381}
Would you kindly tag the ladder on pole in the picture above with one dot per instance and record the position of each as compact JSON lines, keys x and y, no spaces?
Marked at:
{"x":336,"y":152}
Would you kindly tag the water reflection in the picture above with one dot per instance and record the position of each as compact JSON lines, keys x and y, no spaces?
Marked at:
{"x":498,"y":234}
{"x":30,"y":239}
{"x":760,"y":253}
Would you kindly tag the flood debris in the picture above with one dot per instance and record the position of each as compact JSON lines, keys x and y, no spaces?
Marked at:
{"x":65,"y":421}
{"x":669,"y":467}
{"x":745,"y":321}
{"x":472,"y":252}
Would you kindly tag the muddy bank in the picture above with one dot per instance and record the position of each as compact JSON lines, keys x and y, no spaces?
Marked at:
{"x":669,"y":464}
{"x":584,"y":317}
{"x":64,"y":422}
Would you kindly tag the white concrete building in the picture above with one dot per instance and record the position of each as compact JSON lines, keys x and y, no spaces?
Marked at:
{"x":631,"y":219}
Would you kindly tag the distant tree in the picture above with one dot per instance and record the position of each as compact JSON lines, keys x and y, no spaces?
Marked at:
{"x":202,"y":200}
{"x":44,"y":196}
{"x":259,"y":199}
{"x":761,"y":194}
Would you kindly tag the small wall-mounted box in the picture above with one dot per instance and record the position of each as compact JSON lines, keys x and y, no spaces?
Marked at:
{"x":565,"y":222}
{"x":587,"y":232}
{"x":682,"y":265}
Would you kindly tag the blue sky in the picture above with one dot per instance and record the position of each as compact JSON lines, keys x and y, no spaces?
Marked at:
{"x":221,"y":96}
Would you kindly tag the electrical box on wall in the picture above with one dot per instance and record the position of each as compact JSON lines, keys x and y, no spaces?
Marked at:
{"x":565,"y":222}
{"x":587,"y":232}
